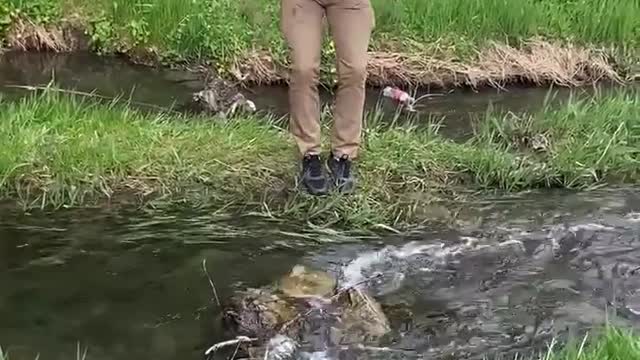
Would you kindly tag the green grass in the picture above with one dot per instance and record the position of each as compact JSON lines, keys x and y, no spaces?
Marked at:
{"x":610,"y":344}
{"x":59,"y":150}
{"x":225,"y":30}
{"x":587,"y":140}
{"x":205,"y":28}
{"x":79,"y":355}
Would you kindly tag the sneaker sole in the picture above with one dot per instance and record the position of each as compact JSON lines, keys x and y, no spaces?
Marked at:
{"x":310,"y":191}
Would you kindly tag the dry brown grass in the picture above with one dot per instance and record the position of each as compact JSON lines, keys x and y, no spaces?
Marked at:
{"x":25,"y":35}
{"x":259,"y":67}
{"x":538,"y":63}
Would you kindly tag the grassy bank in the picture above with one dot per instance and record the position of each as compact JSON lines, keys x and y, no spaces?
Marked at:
{"x":64,"y":151}
{"x":609,"y":343}
{"x":438,"y":42}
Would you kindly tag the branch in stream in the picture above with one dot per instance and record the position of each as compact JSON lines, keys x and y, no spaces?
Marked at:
{"x":237,"y":341}
{"x":377,"y":349}
{"x":213,"y":287}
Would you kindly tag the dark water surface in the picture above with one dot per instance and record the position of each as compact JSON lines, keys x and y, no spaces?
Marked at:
{"x":114,"y":77}
{"x":510,"y":275}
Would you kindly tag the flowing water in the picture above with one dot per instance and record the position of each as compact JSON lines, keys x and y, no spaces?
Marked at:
{"x":511,"y":274}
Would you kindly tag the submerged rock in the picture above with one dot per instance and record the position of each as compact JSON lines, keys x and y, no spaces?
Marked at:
{"x":220,"y":98}
{"x":303,"y":282}
{"x":257,"y":313}
{"x":362,"y":319}
{"x":306,"y":308}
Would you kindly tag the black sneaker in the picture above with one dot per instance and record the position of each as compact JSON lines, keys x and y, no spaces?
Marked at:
{"x":313,"y":176}
{"x":340,"y":169}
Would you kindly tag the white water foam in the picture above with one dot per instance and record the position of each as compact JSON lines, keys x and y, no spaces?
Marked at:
{"x":317,"y":355}
{"x":354,"y":273}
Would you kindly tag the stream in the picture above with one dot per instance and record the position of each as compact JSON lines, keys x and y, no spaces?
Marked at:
{"x":113,"y":77}
{"x":512,"y":274}
{"x":508,"y":276}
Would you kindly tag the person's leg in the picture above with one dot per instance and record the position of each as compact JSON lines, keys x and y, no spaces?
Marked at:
{"x":351,"y":23}
{"x":301,"y":23}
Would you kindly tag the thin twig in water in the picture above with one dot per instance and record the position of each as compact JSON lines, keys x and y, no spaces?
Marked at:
{"x":377,"y":349}
{"x":237,"y":341}
{"x":428,"y":96}
{"x":342,"y":291}
{"x":213,"y":287}
{"x":84,"y":355}
{"x":87,"y":94}
{"x":235,"y":352}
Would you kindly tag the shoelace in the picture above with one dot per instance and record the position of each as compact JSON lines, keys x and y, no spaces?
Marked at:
{"x":343,"y":167}
{"x":314,"y":165}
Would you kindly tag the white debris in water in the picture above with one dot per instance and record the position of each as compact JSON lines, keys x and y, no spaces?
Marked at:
{"x":469,"y":239}
{"x":281,"y":347}
{"x":590,"y":227}
{"x":633,"y":217}
{"x":634,"y":311}
{"x":510,"y":242}
{"x":317,"y":355}
{"x":443,"y":252}
{"x":411,"y":249}
{"x":632,"y":303}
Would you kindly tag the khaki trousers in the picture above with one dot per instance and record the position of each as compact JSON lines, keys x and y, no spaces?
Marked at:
{"x":350,"y":23}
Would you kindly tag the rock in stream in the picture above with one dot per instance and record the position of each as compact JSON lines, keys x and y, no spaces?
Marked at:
{"x":304,"y":309}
